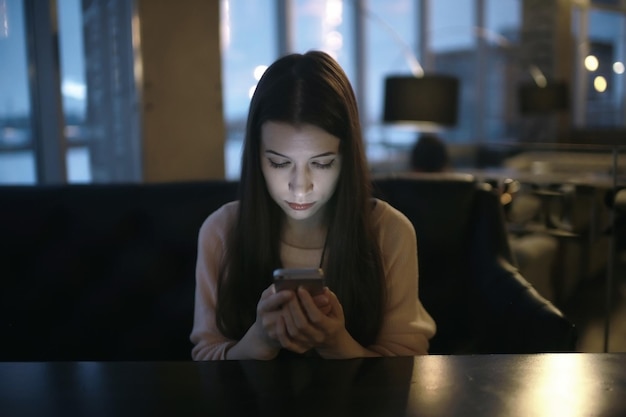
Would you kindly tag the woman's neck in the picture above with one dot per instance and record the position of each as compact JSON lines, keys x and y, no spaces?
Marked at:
{"x":304,"y":235}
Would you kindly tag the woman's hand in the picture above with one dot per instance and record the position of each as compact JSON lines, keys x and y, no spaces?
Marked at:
{"x":315,"y":322}
{"x":261,"y":341}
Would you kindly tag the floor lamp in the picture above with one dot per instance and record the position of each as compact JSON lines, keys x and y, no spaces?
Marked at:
{"x":427,"y":102}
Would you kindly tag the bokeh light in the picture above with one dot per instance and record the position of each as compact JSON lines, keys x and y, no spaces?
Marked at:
{"x":600,"y":84}
{"x":591,"y":63}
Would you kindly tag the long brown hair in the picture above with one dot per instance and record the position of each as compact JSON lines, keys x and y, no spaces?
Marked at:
{"x":299,"y":89}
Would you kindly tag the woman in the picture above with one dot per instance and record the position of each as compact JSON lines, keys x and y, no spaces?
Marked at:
{"x":305,"y":201}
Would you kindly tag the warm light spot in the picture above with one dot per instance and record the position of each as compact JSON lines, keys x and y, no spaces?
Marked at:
{"x":558,"y":386}
{"x":258,"y":72}
{"x":505,"y":198}
{"x":512,"y":186}
{"x":333,"y":13}
{"x":591,"y":63}
{"x":618,"y":67}
{"x":436,"y":375}
{"x":538,"y":76}
{"x":600,"y":84}
{"x":334,"y":40}
{"x":225,"y":25}
{"x":251,"y":91}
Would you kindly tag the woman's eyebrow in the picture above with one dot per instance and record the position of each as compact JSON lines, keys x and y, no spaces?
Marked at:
{"x":315,"y":156}
{"x":324,"y":154}
{"x":276,"y":153}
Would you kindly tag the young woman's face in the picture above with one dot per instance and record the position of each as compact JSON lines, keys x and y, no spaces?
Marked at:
{"x":301,"y":166}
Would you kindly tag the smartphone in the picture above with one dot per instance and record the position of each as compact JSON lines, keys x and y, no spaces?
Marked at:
{"x":291,"y":278}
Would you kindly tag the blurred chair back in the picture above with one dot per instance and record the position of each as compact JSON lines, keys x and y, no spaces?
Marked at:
{"x":468,"y":281}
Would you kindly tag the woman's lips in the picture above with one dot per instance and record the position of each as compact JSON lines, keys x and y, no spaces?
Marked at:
{"x":296,"y":206}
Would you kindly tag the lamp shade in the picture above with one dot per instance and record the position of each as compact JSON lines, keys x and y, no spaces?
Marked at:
{"x":534,"y":99}
{"x":431,"y":99}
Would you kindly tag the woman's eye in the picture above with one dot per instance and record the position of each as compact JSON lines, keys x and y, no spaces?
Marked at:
{"x":275,"y":164}
{"x":324,"y":165}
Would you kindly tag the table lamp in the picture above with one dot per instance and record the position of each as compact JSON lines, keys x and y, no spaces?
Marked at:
{"x":427,"y":101}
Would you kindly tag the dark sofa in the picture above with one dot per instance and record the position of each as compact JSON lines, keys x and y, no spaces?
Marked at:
{"x":101,"y":271}
{"x":106,"y":272}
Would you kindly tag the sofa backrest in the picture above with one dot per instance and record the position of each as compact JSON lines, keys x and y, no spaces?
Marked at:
{"x":101,"y":272}
{"x":106,"y":272}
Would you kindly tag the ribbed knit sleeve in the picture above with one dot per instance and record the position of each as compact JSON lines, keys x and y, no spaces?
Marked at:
{"x":407,"y":326}
{"x":209,"y":343}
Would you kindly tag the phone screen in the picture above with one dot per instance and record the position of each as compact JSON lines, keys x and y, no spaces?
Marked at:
{"x":291,"y":278}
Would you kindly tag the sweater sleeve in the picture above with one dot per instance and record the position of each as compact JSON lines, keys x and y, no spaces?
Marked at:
{"x":407,"y":326}
{"x":209,"y":343}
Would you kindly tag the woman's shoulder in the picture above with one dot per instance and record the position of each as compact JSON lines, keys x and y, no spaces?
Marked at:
{"x":221,"y":219}
{"x":394,"y":231}
{"x":386,"y":215}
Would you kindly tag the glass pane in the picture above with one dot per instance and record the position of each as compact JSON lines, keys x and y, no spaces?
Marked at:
{"x":452,"y":41}
{"x":17,"y":167}
{"x":17,"y":163}
{"x":325,"y":25}
{"x":391,"y":32}
{"x":502,"y":30}
{"x":249,"y":43}
{"x":78,"y":164}
{"x":73,"y":86}
{"x":391,"y":43}
{"x":452,"y":25}
{"x":604,"y":67}
{"x":72,"y":60}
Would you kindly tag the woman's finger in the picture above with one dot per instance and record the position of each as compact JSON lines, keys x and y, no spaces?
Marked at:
{"x":322,"y":301}
{"x":312,"y":313}
{"x":286,"y":341}
{"x":271,"y":301}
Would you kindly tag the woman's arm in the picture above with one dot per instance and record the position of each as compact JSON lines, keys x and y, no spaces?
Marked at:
{"x":407,"y":326}
{"x":259,"y":342}
{"x":209,"y":343}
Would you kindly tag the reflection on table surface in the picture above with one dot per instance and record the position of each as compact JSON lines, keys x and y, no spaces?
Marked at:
{"x":572,"y":384}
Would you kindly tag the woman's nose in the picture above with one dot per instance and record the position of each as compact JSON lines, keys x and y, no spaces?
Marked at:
{"x":300,"y":183}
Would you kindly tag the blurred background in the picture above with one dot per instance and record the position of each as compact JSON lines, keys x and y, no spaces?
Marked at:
{"x":101,"y":91}
{"x":492,"y":46}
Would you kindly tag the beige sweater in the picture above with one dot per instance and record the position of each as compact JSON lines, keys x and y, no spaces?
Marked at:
{"x":406,"y":326}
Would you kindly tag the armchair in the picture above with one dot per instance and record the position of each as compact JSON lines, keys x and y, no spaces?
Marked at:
{"x":468,"y":279}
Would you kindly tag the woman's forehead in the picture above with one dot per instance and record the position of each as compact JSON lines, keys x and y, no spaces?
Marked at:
{"x":283,"y":137}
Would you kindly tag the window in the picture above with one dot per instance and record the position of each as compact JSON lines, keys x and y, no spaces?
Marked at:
{"x":73,"y":88}
{"x":97,"y":139}
{"x":501,"y":69}
{"x":100,"y":139}
{"x":604,"y":65}
{"x":392,"y":30}
{"x":17,"y":159}
{"x":249,"y":44}
{"x":599,"y":76}
{"x":327,"y":26}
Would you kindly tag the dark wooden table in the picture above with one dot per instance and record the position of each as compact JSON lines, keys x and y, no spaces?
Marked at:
{"x":551,"y":385}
